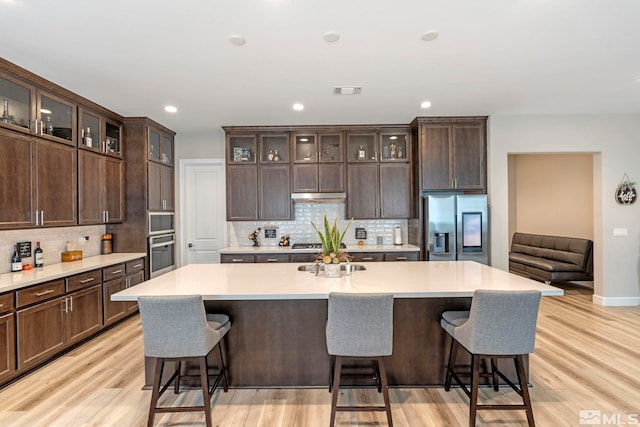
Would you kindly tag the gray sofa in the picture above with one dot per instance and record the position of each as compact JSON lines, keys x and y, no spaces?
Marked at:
{"x":551,"y":258}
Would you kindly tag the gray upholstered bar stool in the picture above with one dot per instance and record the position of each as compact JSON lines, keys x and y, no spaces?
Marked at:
{"x":178,"y":329}
{"x":360,"y":326}
{"x":500,"y":324}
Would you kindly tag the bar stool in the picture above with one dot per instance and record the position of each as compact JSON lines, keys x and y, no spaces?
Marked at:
{"x":500,"y":324}
{"x":360,"y":326}
{"x":178,"y":329}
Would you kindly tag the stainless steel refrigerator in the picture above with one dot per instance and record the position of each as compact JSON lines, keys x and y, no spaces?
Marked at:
{"x":456,"y":227}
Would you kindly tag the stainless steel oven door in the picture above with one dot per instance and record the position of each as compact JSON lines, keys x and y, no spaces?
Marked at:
{"x":161,"y":223}
{"x":161,"y":254}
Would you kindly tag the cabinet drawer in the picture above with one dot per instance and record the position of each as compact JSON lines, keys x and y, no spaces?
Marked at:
{"x":7,"y":302}
{"x":272,"y":258}
{"x":39,"y":293}
{"x":306,"y":257}
{"x":367,"y":257}
{"x":113,"y":272}
{"x":135,"y":265}
{"x":228,"y":258}
{"x":93,"y":277}
{"x":401,"y":256}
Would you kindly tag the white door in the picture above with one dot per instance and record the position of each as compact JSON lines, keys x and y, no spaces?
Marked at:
{"x":202,"y":210}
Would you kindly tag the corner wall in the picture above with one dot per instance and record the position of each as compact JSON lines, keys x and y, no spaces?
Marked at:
{"x":614,"y":139}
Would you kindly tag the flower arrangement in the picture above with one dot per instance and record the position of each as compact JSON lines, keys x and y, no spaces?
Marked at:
{"x":331,"y":240}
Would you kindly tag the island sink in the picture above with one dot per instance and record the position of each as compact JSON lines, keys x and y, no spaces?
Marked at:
{"x":343,"y":267}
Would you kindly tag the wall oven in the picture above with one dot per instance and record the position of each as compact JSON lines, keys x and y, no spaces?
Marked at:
{"x":161,"y":254}
{"x":161,"y":223}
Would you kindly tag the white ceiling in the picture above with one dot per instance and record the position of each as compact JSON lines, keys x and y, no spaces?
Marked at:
{"x":491,"y":57}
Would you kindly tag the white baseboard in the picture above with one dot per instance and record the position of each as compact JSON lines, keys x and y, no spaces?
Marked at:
{"x":616,"y":301}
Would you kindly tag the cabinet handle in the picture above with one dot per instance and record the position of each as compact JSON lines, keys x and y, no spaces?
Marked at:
{"x":90,"y":279}
{"x":401,"y":258}
{"x":137,"y":266}
{"x":71,"y":303}
{"x":37,"y":219}
{"x":367,"y":258}
{"x":116,"y":272}
{"x":237,"y":260}
{"x":107,"y":214}
{"x":272,"y":259}
{"x":41,"y":217}
{"x":455,"y":182}
{"x":48,"y":291}
{"x":66,"y":305}
{"x":1,"y":305}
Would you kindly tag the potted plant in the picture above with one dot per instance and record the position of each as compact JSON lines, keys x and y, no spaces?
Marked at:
{"x":331,"y":255}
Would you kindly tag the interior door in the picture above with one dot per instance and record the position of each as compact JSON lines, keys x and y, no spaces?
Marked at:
{"x":202,"y":199}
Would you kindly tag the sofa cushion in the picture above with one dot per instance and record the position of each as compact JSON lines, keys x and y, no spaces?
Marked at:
{"x":544,"y":263}
{"x":569,"y":250}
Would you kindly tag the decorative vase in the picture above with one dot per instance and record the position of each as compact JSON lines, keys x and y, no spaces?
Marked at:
{"x":332,"y":270}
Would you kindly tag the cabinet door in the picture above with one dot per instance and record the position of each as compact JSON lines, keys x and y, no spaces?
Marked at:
{"x":237,"y":258}
{"x":113,"y":310}
{"x":132,"y":280}
{"x":305,"y":178}
{"x":113,"y":189}
{"x":18,"y":180}
{"x":166,"y":187}
{"x":41,"y":332}
{"x":7,"y":346}
{"x":91,"y":186}
{"x":435,"y":148}
{"x":367,"y":256}
{"x":264,"y":258}
{"x":362,"y":190}
{"x":242,"y":193}
{"x":154,"y":195}
{"x":468,"y":157}
{"x":275,"y":192}
{"x":331,"y":178}
{"x":395,"y":190}
{"x":57,"y":184}
{"x":84,"y":313}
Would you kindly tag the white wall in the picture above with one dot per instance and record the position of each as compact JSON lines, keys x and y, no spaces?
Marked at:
{"x":614,"y":140}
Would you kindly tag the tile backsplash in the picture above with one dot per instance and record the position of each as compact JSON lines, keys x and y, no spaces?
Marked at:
{"x":300,"y":229}
{"x":53,"y":241}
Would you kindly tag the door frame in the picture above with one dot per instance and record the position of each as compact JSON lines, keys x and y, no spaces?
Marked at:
{"x":184,"y":166}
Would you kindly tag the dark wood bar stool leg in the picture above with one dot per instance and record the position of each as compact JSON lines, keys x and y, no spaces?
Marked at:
{"x":337,"y":361}
{"x":494,"y":373}
{"x":206,"y":398}
{"x":155,"y":393}
{"x":385,"y":390}
{"x":524,"y":389}
{"x":453,"y":353}
{"x":475,"y":380}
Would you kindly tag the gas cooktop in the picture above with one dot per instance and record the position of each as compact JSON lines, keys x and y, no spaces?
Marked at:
{"x":312,"y":246}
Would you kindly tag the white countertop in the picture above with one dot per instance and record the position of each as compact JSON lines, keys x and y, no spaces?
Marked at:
{"x":21,"y":279}
{"x":420,"y":279}
{"x":287,"y":249}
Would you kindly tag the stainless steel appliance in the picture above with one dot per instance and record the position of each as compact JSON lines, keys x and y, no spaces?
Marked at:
{"x":161,"y":223}
{"x":456,"y":227}
{"x":161,"y":254}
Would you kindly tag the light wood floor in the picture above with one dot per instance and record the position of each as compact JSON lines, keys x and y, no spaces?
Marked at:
{"x":587,"y":358}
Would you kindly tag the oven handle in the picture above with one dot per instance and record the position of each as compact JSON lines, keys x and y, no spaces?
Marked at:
{"x":157,"y":245}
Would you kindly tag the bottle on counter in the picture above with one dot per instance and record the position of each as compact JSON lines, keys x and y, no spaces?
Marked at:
{"x":16,"y":261}
{"x":38,"y":256}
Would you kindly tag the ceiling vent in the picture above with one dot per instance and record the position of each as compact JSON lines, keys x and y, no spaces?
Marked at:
{"x":347,"y":90}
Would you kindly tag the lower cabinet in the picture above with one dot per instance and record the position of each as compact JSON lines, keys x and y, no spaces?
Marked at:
{"x":272,"y":258}
{"x":41,"y":331}
{"x":236,"y":258}
{"x":84,"y":313}
{"x":7,"y":346}
{"x":113,"y":310}
{"x":133,"y":279}
{"x":367,"y":256}
{"x":307,"y":257}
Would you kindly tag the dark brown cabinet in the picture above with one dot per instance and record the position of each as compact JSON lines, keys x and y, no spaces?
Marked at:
{"x":134,"y":271}
{"x":237,"y":258}
{"x":402,"y":256}
{"x":114,"y":280}
{"x":41,"y":332}
{"x":7,"y":337}
{"x":242,"y":193}
{"x":452,"y":153}
{"x":395,"y":190}
{"x":84,"y":313}
{"x":367,"y":256}
{"x":41,"y":178}
{"x":161,"y":187}
{"x":363,"y":192}
{"x":318,"y":162}
{"x":274,"y":192}
{"x":100,"y":192}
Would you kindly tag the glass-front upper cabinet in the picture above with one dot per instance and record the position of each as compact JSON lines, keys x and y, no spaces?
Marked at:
{"x":241,"y":148}
{"x":160,"y":147}
{"x":361,"y":147}
{"x":113,"y":138}
{"x":274,"y":148}
{"x":393,"y":146}
{"x":16,"y":104}
{"x":99,"y":134}
{"x":305,"y":149}
{"x":331,"y":147}
{"x":90,"y":131}
{"x":56,"y":118}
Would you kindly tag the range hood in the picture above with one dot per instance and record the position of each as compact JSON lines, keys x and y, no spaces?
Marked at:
{"x":319,"y":197}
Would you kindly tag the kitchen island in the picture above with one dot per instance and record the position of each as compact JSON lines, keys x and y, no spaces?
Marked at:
{"x":278,"y":314}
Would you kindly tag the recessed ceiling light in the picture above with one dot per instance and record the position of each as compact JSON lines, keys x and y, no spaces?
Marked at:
{"x":298,"y":107}
{"x":237,"y":40}
{"x":45,"y":111}
{"x":331,"y":36}
{"x":170,"y":109}
{"x":425,"y":104}
{"x":430,"y":35}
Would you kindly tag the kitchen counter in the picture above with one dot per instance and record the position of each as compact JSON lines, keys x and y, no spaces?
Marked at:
{"x":426,"y":279}
{"x":287,"y":249}
{"x":278,"y":315}
{"x":21,"y":279}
